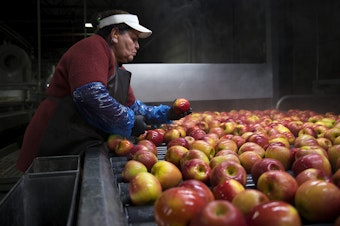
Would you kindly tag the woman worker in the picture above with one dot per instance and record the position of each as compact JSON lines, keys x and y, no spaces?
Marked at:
{"x":90,"y":97}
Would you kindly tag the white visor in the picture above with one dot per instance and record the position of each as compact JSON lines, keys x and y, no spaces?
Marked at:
{"x":129,"y":19}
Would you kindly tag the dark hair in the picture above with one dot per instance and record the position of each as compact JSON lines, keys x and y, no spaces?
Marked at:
{"x":105,"y":31}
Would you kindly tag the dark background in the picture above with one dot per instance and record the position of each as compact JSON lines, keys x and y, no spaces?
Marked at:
{"x":302,"y":37}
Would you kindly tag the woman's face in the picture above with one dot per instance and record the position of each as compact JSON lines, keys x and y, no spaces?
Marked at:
{"x":126,"y":47}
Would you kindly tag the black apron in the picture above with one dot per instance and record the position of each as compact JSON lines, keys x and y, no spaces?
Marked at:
{"x":67,"y":133}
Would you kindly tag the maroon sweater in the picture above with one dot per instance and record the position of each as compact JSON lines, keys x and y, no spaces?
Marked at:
{"x":89,"y":60}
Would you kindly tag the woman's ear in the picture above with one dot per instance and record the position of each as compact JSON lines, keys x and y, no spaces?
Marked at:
{"x":114,"y":35}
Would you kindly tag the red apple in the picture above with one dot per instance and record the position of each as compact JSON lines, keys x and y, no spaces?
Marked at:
{"x":311,"y":174}
{"x":318,"y":201}
{"x":248,"y":159}
{"x":175,"y":153}
{"x":226,"y":144}
{"x":123,"y":147}
{"x":277,"y":213}
{"x":334,"y":156}
{"x":251,"y":146}
{"x":333,"y":134}
{"x":150,"y":145}
{"x":144,"y":189}
{"x":197,"y":134}
{"x":312,"y":161}
{"x":324,"y":142}
{"x":247,"y":199}
{"x":305,"y":140}
{"x":112,"y":142}
{"x":177,"y":206}
{"x":135,"y":148}
{"x":132,"y":168}
{"x":179,"y":141}
{"x":281,"y":153}
{"x":216,"y":130}
{"x":278,"y":185}
{"x":181,"y":106}
{"x":228,"y":170}
{"x":228,"y":127}
{"x":219,"y":213}
{"x":193,"y":153}
{"x":146,"y":157}
{"x":239,"y":140}
{"x":305,"y":150}
{"x":190,"y":140}
{"x":222,"y":158}
{"x":265,"y":165}
{"x":205,"y":147}
{"x":282,"y":140}
{"x":227,"y":189}
{"x":226,"y":152}
{"x":336,"y":178}
{"x":167,"y":174}
{"x":259,"y":139}
{"x":196,"y":169}
{"x":155,"y":136}
{"x":201,"y":188}
{"x":171,"y":134}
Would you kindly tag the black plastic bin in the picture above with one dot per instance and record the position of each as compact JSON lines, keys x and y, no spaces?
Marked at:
{"x":45,"y":195}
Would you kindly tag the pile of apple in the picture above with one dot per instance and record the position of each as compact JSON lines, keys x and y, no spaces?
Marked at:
{"x":239,"y":167}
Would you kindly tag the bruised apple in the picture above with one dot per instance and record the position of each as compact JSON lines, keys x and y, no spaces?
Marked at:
{"x":177,"y":206}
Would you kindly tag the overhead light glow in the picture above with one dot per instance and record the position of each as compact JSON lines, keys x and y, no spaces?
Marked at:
{"x":88,"y":25}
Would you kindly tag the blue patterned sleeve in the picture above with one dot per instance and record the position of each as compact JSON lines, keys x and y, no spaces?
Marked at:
{"x":153,"y":114}
{"x":102,"y":111}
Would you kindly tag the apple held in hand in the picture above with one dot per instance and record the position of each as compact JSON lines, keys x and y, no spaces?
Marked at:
{"x":277,"y":213}
{"x":278,"y":185}
{"x":144,"y":189}
{"x":196,"y":169}
{"x":247,"y":199}
{"x":167,"y":173}
{"x":177,"y":206}
{"x":219,"y":213}
{"x":318,"y":201}
{"x":132,"y":168}
{"x":181,"y":105}
{"x":201,"y":188}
